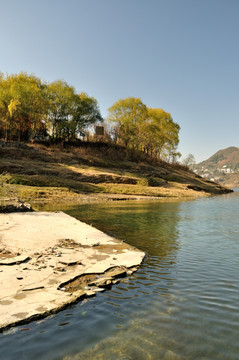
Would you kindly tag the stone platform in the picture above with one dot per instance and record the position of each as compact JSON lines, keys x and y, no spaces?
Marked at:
{"x":51,"y":260}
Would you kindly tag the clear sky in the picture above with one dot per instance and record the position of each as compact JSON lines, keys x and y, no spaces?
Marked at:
{"x":179,"y":55}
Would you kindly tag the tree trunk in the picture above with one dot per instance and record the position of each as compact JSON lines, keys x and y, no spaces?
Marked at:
{"x":6,"y":134}
{"x":19,"y":136}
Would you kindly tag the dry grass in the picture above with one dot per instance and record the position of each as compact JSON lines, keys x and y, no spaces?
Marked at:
{"x":38,"y":173}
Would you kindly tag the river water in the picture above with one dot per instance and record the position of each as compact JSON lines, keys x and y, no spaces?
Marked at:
{"x":181,"y":304}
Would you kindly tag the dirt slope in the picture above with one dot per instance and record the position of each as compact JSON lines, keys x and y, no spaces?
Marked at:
{"x":36,"y":173}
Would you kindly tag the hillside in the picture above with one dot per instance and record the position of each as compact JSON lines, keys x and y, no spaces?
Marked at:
{"x":92,"y":171}
{"x":222,"y":167}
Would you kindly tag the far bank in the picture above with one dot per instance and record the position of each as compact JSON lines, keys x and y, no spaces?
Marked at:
{"x":93,"y":172}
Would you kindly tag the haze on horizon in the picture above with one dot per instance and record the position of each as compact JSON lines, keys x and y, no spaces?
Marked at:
{"x":179,"y":55}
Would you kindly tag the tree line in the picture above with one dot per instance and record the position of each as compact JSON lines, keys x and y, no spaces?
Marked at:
{"x":31,"y":108}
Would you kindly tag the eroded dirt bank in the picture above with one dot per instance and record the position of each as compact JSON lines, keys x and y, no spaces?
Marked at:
{"x":93,"y":172}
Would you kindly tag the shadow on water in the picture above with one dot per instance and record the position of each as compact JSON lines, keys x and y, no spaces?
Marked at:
{"x":150,"y":225}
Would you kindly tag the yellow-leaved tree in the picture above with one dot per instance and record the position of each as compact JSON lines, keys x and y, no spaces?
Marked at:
{"x":151,"y":130}
{"x":127,"y":114}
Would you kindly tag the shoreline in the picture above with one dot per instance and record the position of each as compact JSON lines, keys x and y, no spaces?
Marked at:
{"x":9,"y":205}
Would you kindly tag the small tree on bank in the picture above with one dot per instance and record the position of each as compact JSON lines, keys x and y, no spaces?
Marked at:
{"x":189,"y":160}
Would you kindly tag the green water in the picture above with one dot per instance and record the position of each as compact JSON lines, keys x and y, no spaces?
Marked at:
{"x":181,"y":304}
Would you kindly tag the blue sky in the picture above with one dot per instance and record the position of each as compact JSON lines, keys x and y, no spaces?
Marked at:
{"x":179,"y":55}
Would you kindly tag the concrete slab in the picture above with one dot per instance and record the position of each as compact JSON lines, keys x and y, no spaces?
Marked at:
{"x":50,"y":260}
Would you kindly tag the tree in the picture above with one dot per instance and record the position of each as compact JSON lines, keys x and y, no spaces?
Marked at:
{"x":5,"y":99}
{"x":158,"y":134}
{"x":23,"y":105}
{"x":165,"y":132}
{"x":150,"y":130}
{"x":70,"y":113}
{"x":29,"y":106}
{"x":189,"y":160}
{"x":86,"y":112}
{"x":61,"y":97}
{"x":127,"y":114}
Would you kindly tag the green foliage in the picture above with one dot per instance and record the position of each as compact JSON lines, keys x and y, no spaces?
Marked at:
{"x":6,"y":178}
{"x":30,"y":107}
{"x":127,"y":114}
{"x":23,"y":104}
{"x":150,"y":130}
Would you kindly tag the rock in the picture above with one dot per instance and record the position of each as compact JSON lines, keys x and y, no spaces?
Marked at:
{"x":19,"y":207}
{"x":52,"y":282}
{"x":15,"y":260}
{"x":170,"y":355}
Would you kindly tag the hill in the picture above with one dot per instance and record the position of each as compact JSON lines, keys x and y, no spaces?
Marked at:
{"x":222,"y":167}
{"x":92,"y":171}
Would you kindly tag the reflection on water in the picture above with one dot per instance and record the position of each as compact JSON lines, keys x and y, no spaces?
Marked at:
{"x":143,"y":223}
{"x":181,"y":304}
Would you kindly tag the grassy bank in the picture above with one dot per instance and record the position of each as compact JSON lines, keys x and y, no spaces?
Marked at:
{"x":36,"y":173}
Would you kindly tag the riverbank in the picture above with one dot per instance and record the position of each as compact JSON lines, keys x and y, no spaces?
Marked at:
{"x":92,"y":172}
{"x":51,"y":260}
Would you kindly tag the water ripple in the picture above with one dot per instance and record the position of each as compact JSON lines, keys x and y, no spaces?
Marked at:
{"x":181,"y":304}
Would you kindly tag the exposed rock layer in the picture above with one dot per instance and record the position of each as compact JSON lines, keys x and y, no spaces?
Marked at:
{"x":50,"y":260}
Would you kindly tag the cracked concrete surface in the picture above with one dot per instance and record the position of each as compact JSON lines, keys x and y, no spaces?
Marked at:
{"x":50,"y":260}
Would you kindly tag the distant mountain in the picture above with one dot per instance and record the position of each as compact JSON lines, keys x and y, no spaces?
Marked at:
{"x":222,"y":167}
